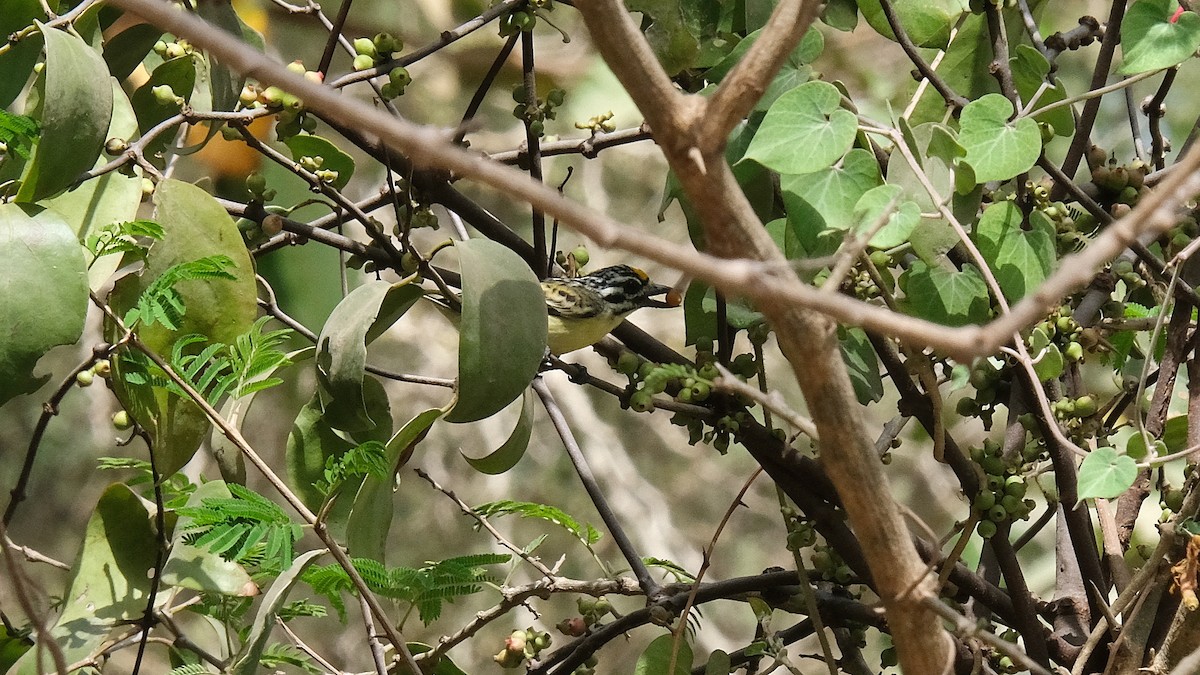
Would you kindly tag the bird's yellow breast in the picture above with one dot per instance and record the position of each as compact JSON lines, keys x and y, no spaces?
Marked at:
{"x":567,"y":335}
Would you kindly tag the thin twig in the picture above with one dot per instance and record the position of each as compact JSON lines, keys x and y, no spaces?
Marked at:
{"x":649,"y":586}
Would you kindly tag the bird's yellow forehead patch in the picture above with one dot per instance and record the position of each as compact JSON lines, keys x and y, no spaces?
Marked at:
{"x":641,"y":275}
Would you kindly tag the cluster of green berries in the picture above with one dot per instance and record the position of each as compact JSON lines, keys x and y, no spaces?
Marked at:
{"x":524,"y":18}
{"x":688,"y":384}
{"x":1074,"y":408}
{"x":291,"y":117}
{"x":1171,"y":499}
{"x":1072,"y":226}
{"x":421,"y":216}
{"x":256,"y":185}
{"x":991,"y":379}
{"x":522,"y":645}
{"x":591,"y":612}
{"x":173,"y":50}
{"x":370,"y":52}
{"x":103,"y":369}
{"x":314,"y":166}
{"x":537,"y":111}
{"x":1060,"y":330}
{"x":1117,"y":184}
{"x":1002,"y":499}
{"x":801,"y":533}
{"x":1180,"y":235}
{"x":599,"y":123}
{"x":829,"y":565}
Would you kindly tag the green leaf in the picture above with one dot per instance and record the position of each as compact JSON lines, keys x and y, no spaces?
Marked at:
{"x":513,"y":449}
{"x":198,"y":569}
{"x":824,"y":200}
{"x":675,"y":30}
{"x":997,"y":149}
{"x":1106,"y":474}
{"x":235,"y":411}
{"x":125,"y":51}
{"x":444,"y":666}
{"x":862,"y":364}
{"x":1049,"y":364}
{"x":1019,"y":259}
{"x":585,"y":533}
{"x":112,"y":198}
{"x":17,"y":63}
{"x":792,"y":73}
{"x":503,"y":330}
{"x":718,"y":663}
{"x":180,"y":75}
{"x":656,"y":660}
{"x":1174,"y":439}
{"x":905,"y":215}
{"x":245,"y":662}
{"x":110,"y":579}
{"x":1150,"y":41}
{"x":371,"y":515}
{"x":806,"y":130}
{"x":342,"y":348}
{"x":841,"y":14}
{"x":1030,"y":70}
{"x":331,"y":157}
{"x":946,"y":296}
{"x":225,"y":85}
{"x":77,"y":105}
{"x":43,"y":267}
{"x":219,"y":310}
{"x":926,"y":22}
{"x":310,"y":444}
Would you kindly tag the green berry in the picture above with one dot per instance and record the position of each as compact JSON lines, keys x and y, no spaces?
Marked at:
{"x":581,"y":256}
{"x":364,"y":47}
{"x":641,"y":401}
{"x":1015,"y":486}
{"x":363,"y":62}
{"x":628,"y":363}
{"x":985,"y":500}
{"x":84,"y":378}
{"x":165,"y":95}
{"x":986,"y":529}
{"x":997,"y":513}
{"x":399,"y":77}
{"x":121,"y":421}
{"x":115,"y":146}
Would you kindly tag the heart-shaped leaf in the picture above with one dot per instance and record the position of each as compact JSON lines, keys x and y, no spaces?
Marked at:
{"x":997,"y":149}
{"x":1150,"y":39}
{"x":805,"y":130}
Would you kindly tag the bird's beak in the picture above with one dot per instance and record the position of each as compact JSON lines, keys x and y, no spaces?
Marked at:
{"x":673,"y":297}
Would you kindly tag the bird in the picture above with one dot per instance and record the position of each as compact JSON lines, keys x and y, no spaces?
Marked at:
{"x":582,"y":310}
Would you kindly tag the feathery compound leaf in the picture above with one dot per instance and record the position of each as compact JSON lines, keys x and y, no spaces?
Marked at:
{"x":123,"y":238}
{"x":582,"y":531}
{"x":162,"y":303}
{"x":241,"y":525}
{"x":368,"y":459}
{"x":426,"y":588}
{"x":18,"y":132}
{"x":254,"y":353}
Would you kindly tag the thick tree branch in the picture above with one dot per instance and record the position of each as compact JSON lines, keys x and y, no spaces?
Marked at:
{"x":746,"y":83}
